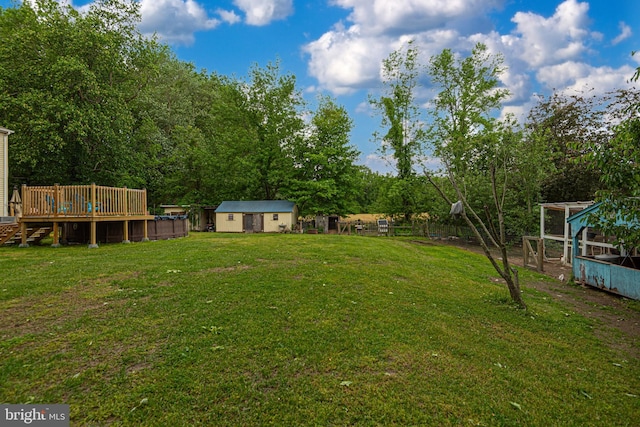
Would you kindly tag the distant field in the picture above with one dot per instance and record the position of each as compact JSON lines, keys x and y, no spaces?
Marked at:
{"x":252,"y":330}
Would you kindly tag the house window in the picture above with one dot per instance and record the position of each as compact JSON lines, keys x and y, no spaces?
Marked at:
{"x":230,"y":217}
{"x":275,"y":217}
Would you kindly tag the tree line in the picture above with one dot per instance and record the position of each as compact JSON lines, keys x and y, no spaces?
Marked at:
{"x":93,"y":100}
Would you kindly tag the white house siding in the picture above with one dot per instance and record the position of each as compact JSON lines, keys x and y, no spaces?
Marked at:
{"x":4,"y":171}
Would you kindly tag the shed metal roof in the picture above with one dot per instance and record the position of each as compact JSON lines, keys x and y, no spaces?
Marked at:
{"x":256,"y":206}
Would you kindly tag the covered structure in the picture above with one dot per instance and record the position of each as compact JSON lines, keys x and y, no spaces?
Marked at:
{"x":555,"y":228}
{"x":201,"y":217}
{"x":616,"y":270}
{"x":269,"y":216}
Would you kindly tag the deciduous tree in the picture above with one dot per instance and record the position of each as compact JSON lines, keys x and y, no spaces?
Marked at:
{"x":566,"y":124}
{"x":325,"y":176}
{"x":275,"y":107}
{"x":67,"y":82}
{"x":472,"y":143}
{"x":401,"y":118}
{"x":617,"y":160}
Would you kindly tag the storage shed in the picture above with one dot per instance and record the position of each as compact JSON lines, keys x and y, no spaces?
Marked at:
{"x":269,"y":216}
{"x":615,"y":270}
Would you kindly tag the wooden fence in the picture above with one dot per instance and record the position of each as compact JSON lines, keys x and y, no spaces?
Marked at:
{"x":533,"y":257}
{"x":417,"y":228}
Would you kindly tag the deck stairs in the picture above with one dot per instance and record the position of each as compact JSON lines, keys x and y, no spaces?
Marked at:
{"x":10,"y":234}
{"x":8,"y":231}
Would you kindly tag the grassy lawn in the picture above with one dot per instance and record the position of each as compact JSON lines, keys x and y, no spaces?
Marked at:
{"x":251,"y":330}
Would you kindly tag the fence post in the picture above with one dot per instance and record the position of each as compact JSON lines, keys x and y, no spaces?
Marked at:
{"x":541,"y":255}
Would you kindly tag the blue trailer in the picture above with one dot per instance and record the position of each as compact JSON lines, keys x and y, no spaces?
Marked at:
{"x":617,"y":273}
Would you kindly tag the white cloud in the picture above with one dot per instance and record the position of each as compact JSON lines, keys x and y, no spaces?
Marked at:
{"x":228,"y":16}
{"x":343,"y":60}
{"x":576,"y":77}
{"x":561,"y":75}
{"x":348,"y":57}
{"x":582,"y":78}
{"x":409,"y":16}
{"x":543,"y":41}
{"x":625,"y":33}
{"x":175,"y":21}
{"x":262,"y":12}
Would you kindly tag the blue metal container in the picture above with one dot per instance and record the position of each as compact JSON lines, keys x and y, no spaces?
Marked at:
{"x":611,"y":272}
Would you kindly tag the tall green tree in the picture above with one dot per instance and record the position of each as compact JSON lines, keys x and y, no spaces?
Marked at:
{"x":472,"y":143}
{"x":67,"y":81}
{"x":275,"y":106}
{"x":566,"y":124}
{"x":617,"y":160}
{"x":234,"y":139}
{"x":370,"y":188}
{"x":169,"y":142}
{"x":325,"y":174}
{"x":401,"y":118}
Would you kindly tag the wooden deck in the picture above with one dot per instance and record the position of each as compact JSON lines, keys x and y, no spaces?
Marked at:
{"x":82,"y":203}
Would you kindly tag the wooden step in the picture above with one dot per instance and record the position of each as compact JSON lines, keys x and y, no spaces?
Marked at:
{"x":34,"y":235}
{"x":8,"y":232}
{"x":39,"y":234}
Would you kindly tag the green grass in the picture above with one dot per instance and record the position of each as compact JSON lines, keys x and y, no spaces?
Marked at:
{"x":297,"y":330}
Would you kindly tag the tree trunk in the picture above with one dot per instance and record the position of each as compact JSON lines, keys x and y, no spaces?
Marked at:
{"x":513,"y":283}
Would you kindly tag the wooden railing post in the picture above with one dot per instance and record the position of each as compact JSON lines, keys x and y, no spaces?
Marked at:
{"x":93,"y":243}
{"x":26,"y":200}
{"x":93,"y":199}
{"x":56,"y":199}
{"x":126,"y":201}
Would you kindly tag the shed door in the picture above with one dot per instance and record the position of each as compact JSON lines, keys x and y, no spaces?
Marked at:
{"x":257,"y":223}
{"x":247,"y":225}
{"x":252,"y":223}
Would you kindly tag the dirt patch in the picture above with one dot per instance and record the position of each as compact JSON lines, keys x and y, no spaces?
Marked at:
{"x":38,"y":314}
{"x":611,"y":312}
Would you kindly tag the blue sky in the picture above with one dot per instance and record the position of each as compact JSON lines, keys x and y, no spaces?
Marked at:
{"x":336,"y":46}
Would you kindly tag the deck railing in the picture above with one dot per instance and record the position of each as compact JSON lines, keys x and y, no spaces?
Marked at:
{"x":82,"y":201}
